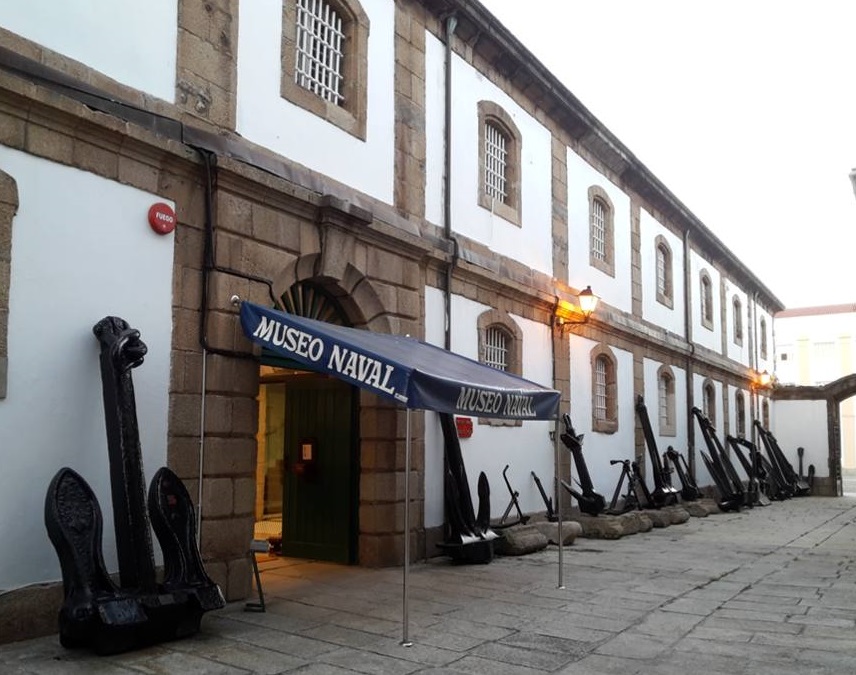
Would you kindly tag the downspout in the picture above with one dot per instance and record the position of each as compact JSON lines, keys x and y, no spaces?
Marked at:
{"x":688,"y":332}
{"x":451,"y":24}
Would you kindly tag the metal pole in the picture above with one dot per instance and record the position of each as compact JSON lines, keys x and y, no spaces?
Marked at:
{"x":560,"y":583}
{"x":405,"y":641}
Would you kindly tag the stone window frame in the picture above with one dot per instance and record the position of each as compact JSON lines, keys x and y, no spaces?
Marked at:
{"x":708,"y":396}
{"x":8,"y":208}
{"x":607,"y":266}
{"x":740,"y":414}
{"x":669,"y":427}
{"x":352,"y":115}
{"x":762,"y":339}
{"x":494,"y":318}
{"x":737,"y":310}
{"x":608,"y":425}
{"x":706,"y":299}
{"x":511,"y":209}
{"x":667,"y":296}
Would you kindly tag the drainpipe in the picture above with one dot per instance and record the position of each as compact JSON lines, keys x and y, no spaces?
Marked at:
{"x":451,"y":24}
{"x":688,"y":332}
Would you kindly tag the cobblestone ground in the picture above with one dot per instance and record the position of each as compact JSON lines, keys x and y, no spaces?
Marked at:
{"x":769,"y":590}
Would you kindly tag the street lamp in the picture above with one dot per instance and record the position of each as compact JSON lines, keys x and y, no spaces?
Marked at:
{"x":568,"y":314}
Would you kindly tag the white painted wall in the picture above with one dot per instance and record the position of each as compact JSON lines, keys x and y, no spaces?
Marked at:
{"x":530,"y":243}
{"x":264,"y":117}
{"x":737,"y":352}
{"x":615,"y":291}
{"x":672,"y":319}
{"x":712,"y":339}
{"x":680,"y":440}
{"x":802,"y":424}
{"x":134,"y":43}
{"x":525,"y":448}
{"x":82,"y":249}
{"x":599,"y":448}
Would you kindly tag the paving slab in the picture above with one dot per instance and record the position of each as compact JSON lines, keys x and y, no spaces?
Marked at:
{"x":760,"y":591}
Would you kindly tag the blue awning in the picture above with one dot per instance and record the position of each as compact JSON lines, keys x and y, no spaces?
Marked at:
{"x":409,"y":371}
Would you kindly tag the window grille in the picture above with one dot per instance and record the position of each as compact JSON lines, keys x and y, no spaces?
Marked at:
{"x":740,"y":403}
{"x":663,"y":395}
{"x":320,"y":40}
{"x":496,"y":163}
{"x":706,"y":300}
{"x":496,"y":349}
{"x":662,"y":287}
{"x":738,"y":320}
{"x":598,"y":230}
{"x":600,"y":408}
{"x":710,"y":403}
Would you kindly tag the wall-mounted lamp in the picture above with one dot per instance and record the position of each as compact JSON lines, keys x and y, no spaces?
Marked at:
{"x":568,"y":314}
{"x":762,"y":381}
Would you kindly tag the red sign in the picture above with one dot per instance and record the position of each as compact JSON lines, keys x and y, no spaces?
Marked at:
{"x":162,"y":218}
{"x":465,"y":426}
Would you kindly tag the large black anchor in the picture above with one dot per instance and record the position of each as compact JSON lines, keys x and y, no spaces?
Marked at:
{"x":97,"y":612}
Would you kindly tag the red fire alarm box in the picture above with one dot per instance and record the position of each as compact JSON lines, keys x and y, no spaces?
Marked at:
{"x":464,"y":426}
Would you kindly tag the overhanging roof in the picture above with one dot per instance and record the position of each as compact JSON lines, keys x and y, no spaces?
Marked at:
{"x":411,"y":372}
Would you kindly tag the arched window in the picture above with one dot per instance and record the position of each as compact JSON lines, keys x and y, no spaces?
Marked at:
{"x":765,"y":414}
{"x":325,"y":60}
{"x":709,"y":401}
{"x":663,"y":255}
{"x":737,"y":310}
{"x":763,"y":337}
{"x":706,"y":299}
{"x":666,"y":401}
{"x":499,"y":162}
{"x":500,"y":346}
{"x":740,"y":409}
{"x":604,"y":404}
{"x":601,"y":231}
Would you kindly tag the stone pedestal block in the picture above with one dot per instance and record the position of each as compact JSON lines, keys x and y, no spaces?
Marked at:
{"x":570,"y":531}
{"x":600,"y":527}
{"x":520,"y":540}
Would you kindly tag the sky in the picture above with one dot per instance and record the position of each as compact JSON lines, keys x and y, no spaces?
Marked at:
{"x":745,"y":110}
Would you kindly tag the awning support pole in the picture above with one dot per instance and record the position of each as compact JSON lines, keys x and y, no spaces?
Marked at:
{"x":405,"y":620}
{"x":560,"y":583}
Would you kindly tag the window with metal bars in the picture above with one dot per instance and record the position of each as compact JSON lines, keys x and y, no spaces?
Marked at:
{"x":600,"y":368}
{"x":706,"y":293}
{"x":737,"y":308}
{"x":709,"y":402}
{"x":496,"y":348}
{"x":598,"y":230}
{"x":319,"y":58}
{"x":740,"y":407}
{"x":496,"y":163}
{"x":663,"y":264}
{"x":664,"y":389}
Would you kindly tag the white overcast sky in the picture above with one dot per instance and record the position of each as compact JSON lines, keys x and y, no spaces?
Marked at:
{"x":745,"y":110}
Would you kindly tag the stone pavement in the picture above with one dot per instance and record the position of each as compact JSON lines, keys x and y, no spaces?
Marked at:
{"x":769,"y":590}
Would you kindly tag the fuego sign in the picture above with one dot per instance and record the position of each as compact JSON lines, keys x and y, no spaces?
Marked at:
{"x":162,"y":218}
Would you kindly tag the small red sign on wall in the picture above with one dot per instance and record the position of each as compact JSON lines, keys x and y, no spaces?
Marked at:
{"x":162,"y":218}
{"x":465,"y":426}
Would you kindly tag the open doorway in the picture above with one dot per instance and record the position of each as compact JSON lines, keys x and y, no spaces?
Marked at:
{"x":307,"y":469}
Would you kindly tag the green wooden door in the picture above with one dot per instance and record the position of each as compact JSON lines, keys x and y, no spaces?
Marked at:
{"x":319,"y":501}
